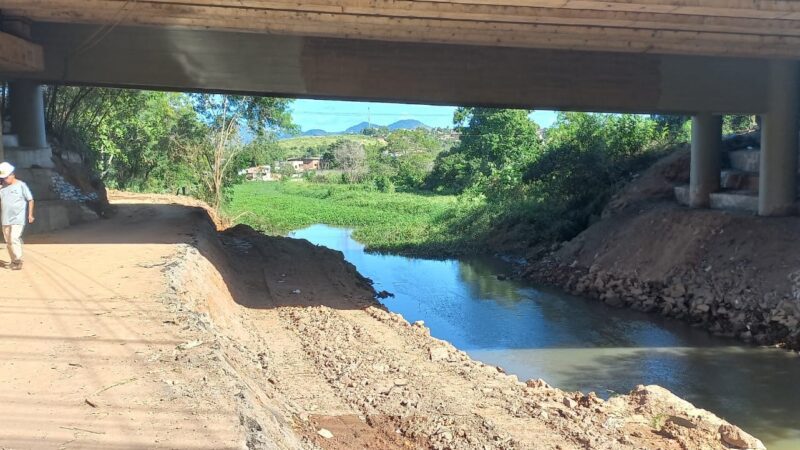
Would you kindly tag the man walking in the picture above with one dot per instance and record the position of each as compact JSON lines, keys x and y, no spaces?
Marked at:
{"x":15,"y":201}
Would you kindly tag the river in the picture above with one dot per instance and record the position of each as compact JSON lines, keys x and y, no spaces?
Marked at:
{"x":580,"y":344}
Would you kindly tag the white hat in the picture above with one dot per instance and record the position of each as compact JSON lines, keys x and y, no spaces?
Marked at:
{"x":6,"y":169}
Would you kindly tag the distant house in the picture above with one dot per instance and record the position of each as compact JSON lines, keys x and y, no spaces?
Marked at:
{"x":258,"y":173}
{"x":305,"y":164}
{"x":296,"y":163}
{"x":312,"y":163}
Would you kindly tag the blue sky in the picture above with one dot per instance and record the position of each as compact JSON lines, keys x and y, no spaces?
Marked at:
{"x":330,"y":115}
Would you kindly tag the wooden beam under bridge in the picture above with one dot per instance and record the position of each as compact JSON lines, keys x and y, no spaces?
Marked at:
{"x":19,"y":55}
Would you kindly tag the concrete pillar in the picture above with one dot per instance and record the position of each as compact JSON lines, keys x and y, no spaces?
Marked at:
{"x":27,"y":113}
{"x":2,"y":146}
{"x":704,"y":172}
{"x":18,"y":26}
{"x":777,"y":189}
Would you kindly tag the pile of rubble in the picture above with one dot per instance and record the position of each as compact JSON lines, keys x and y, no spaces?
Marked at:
{"x":727,"y":308}
{"x":68,"y":192}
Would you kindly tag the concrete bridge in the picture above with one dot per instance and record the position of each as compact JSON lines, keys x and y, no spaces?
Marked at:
{"x":700,"y":57}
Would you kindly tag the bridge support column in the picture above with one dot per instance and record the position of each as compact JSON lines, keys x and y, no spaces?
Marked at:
{"x":777,"y":190}
{"x":704,"y":173}
{"x":27,"y":123}
{"x":27,"y":113}
{"x":2,"y":145}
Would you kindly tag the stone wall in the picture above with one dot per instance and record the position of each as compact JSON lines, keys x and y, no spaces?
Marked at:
{"x":726,"y":307}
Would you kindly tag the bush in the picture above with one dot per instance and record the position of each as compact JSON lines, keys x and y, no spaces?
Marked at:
{"x":554,"y":192}
{"x":491,"y":140}
{"x":384,"y":184}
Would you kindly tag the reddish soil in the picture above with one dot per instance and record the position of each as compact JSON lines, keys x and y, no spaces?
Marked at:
{"x":734,"y":273}
{"x":152,"y":330}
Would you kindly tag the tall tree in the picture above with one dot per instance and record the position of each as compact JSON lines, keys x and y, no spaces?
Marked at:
{"x":351,"y":157}
{"x":159,"y":141}
{"x":491,"y":140}
{"x":216,"y":154}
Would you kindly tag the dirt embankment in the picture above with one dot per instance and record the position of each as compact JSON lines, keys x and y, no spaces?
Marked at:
{"x":323,"y":365}
{"x":735,"y":274}
{"x":153,"y":330}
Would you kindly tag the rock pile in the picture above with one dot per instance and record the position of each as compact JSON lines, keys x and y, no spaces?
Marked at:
{"x":723,"y":303}
{"x":67,"y":191}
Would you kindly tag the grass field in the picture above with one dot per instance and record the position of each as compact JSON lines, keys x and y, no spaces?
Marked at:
{"x":297,"y":146}
{"x":396,"y":222}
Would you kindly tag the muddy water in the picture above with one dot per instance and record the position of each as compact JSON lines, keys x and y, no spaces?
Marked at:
{"x":579,"y":344}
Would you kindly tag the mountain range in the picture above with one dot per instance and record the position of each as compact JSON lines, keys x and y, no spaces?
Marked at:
{"x":405,"y":124}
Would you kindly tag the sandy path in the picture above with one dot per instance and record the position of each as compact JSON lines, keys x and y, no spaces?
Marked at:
{"x":86,"y":315}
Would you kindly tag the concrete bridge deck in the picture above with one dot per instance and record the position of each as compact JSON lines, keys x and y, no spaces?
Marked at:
{"x":752,"y":28}
{"x":698,"y":57}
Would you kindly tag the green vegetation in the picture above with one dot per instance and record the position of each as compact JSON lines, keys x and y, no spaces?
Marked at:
{"x":383,"y":221}
{"x":679,"y":127}
{"x":495,"y":182}
{"x":159,"y":141}
{"x":506,"y":185}
{"x":520,"y":190}
{"x":317,"y":145}
{"x":397,"y":160}
{"x":503,"y":187}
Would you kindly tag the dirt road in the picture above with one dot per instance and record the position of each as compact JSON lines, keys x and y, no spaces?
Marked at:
{"x":150,"y":330}
{"x":88,"y":347}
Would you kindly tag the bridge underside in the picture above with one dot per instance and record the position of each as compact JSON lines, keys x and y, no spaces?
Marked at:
{"x":179,"y":59}
{"x":698,"y":57}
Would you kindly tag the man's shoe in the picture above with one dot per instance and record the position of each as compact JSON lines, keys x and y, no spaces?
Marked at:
{"x":16,"y":265}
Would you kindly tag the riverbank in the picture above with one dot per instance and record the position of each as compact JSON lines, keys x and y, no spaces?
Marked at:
{"x":334,"y":358}
{"x":268,"y":342}
{"x":735,"y":274}
{"x":577,"y":343}
{"x":386,"y":222}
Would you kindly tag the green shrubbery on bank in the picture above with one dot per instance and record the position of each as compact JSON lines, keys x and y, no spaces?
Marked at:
{"x":549,"y":188}
{"x":396,"y":222}
{"x":494,"y":182}
{"x":505,"y":186}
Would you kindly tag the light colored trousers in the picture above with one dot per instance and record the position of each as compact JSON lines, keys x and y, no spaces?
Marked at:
{"x":13,"y":237}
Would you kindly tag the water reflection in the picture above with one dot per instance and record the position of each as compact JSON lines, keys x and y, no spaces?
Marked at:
{"x":579,"y":344}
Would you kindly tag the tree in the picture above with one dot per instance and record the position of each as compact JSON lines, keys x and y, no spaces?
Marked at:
{"x":212,"y":154}
{"x":408,"y":157}
{"x":674,"y":126}
{"x":376,"y":130}
{"x":491,"y":140}
{"x":216,"y":155}
{"x":124,"y":135}
{"x":586,"y":157}
{"x":260,"y":114}
{"x":264,"y":149}
{"x":739,"y":124}
{"x":160,"y":141}
{"x":351,"y":157}
{"x":286,"y":172}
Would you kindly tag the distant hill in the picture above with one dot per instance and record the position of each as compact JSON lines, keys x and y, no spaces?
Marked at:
{"x":407,"y":124}
{"x":357,"y":129}
{"x":315,"y":132}
{"x":300,"y":145}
